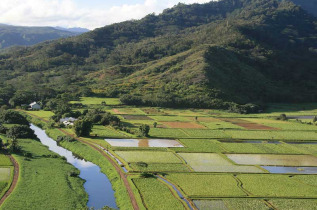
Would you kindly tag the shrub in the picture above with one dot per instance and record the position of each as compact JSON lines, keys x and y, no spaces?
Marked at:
{"x":144,"y":130}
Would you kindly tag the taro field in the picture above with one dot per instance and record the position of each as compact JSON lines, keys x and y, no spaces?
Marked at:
{"x":6,"y":171}
{"x":222,"y":160}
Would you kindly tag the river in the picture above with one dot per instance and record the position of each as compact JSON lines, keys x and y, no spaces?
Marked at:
{"x":97,"y":185}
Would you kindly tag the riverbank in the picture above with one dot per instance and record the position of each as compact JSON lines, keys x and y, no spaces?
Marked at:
{"x":123,"y":197}
{"x":47,"y":176}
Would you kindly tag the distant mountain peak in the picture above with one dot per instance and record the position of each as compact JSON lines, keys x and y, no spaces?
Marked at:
{"x":78,"y":30}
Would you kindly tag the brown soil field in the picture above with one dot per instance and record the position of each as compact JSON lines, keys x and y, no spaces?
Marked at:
{"x":136,"y":117}
{"x":118,"y":112}
{"x":183,"y":125}
{"x":247,"y":124}
{"x":153,"y":111}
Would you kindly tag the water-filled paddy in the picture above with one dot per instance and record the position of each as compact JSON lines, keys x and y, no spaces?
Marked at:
{"x":290,"y":170}
{"x":143,"y":143}
{"x":208,"y":162}
{"x":273,"y":160}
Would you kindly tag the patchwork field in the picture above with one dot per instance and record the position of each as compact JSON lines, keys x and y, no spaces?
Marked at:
{"x":226,"y":160}
{"x":183,"y":125}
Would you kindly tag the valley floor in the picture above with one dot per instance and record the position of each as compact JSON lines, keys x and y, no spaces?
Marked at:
{"x":218,"y":160}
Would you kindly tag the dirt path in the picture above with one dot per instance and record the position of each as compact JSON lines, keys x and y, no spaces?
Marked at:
{"x":14,"y":181}
{"x":116,"y":166}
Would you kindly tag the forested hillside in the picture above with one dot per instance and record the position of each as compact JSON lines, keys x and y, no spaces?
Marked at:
{"x":26,"y":36}
{"x":209,"y":55}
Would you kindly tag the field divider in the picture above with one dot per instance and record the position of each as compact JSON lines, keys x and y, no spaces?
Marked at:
{"x":184,"y":132}
{"x":183,"y":161}
{"x":240,"y":185}
{"x":14,"y":179}
{"x":187,"y":202}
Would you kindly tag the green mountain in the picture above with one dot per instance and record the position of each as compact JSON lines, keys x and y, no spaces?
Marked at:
{"x":201,"y":55}
{"x":26,"y":36}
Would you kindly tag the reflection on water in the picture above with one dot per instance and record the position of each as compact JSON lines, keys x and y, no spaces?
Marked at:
{"x":97,"y":184}
{"x":290,"y":170}
{"x":143,"y":143}
{"x":273,"y":160}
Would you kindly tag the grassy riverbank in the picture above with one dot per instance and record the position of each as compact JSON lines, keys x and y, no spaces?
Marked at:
{"x":84,"y":151}
{"x":44,"y":181}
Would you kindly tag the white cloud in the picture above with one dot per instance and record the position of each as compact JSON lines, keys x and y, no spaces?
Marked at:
{"x":68,"y":14}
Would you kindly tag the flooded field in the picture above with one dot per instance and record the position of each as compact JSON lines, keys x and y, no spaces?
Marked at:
{"x":273,"y":160}
{"x":143,"y":143}
{"x":5,"y":174}
{"x":290,"y":170}
{"x":207,"y":162}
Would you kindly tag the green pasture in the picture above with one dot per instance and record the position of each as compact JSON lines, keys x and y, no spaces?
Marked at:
{"x":5,"y":160}
{"x":42,"y":114}
{"x":97,"y":101}
{"x":44,"y":182}
{"x":106,"y":132}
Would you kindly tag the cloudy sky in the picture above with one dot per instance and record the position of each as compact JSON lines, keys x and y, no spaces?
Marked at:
{"x":80,"y":13}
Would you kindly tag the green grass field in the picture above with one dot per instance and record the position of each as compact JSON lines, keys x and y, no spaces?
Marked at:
{"x":206,"y":185}
{"x":42,"y":114}
{"x":97,"y":101}
{"x":157,"y":195}
{"x":4,"y":160}
{"x":44,"y":182}
{"x":280,"y":185}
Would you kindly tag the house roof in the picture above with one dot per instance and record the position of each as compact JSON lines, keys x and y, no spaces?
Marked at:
{"x":34,"y":103}
{"x":69,"y":119}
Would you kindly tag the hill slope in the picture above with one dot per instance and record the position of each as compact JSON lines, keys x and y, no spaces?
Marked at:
{"x":206,"y":55}
{"x":26,"y":36}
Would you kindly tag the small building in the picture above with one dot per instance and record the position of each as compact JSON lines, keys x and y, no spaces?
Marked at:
{"x":68,"y":121}
{"x":35,"y":106}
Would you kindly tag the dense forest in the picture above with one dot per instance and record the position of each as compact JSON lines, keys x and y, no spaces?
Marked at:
{"x":214,"y":55}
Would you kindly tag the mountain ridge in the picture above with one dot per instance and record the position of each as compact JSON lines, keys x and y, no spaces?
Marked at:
{"x":30,"y":35}
{"x":227,"y":52}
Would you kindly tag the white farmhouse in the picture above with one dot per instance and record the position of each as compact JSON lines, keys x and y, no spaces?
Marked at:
{"x":35,"y":106}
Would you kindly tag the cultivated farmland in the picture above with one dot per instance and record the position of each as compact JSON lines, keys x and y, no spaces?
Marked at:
{"x":226,"y":161}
